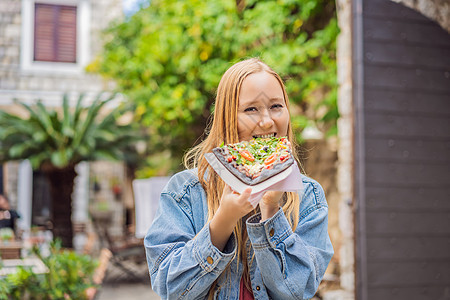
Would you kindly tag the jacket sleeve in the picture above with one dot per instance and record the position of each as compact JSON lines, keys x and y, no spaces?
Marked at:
{"x":292,"y":264}
{"x":182,"y":263}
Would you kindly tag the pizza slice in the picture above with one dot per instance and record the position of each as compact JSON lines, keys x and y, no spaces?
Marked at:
{"x":256,"y":160}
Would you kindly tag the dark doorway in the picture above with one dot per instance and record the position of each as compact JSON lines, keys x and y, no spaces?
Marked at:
{"x":41,"y":203}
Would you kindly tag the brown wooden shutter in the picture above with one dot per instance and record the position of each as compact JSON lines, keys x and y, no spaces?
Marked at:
{"x":55,"y":33}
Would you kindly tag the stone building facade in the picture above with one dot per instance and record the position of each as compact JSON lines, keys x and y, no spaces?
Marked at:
{"x":26,"y":79}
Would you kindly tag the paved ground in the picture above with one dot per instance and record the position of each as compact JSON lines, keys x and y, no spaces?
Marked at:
{"x":125,"y":291}
{"x":118,"y":285}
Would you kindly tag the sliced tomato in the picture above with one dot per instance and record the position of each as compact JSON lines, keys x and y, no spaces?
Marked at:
{"x":247,"y":155}
{"x":271,"y":159}
{"x":229,"y":159}
{"x":284,"y":157}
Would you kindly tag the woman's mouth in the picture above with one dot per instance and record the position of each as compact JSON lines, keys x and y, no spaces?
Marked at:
{"x":265,"y":136}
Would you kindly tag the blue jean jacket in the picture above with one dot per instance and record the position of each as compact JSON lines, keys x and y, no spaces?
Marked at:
{"x":183,"y":263}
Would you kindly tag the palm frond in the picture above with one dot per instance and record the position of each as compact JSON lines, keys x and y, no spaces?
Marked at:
{"x":39,"y":117}
{"x":78,"y":110}
{"x":45,"y":117}
{"x":88,"y":125}
{"x":82,"y":133}
{"x":66,"y":118}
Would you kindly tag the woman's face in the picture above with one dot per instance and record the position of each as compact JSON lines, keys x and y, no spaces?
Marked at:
{"x":262,"y":111}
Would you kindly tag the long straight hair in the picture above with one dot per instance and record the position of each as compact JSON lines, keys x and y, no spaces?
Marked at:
{"x":224,"y":129}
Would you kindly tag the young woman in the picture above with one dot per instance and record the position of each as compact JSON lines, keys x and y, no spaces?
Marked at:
{"x":207,"y":241}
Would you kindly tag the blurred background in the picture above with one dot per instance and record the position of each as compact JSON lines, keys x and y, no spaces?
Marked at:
{"x":99,"y":100}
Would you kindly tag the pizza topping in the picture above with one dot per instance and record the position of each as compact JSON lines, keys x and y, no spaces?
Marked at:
{"x":251,"y":158}
{"x":256,"y":168}
{"x":271,"y":159}
{"x":247,"y":155}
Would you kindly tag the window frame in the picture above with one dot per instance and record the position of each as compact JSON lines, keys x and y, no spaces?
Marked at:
{"x":27,"y":62}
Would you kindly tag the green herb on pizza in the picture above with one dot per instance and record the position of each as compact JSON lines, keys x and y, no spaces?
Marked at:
{"x":256,"y":160}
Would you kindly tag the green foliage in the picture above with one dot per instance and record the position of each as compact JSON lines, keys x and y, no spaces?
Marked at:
{"x":70,"y":274}
{"x":169,"y":57}
{"x":6,"y":234}
{"x":64,"y":136}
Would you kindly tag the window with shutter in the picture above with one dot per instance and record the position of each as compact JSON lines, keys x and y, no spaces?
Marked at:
{"x":55,"y":33}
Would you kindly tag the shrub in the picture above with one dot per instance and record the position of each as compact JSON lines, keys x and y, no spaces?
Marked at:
{"x":69,"y":276}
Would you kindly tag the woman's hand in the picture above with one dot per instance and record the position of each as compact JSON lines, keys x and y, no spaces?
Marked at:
{"x":270,"y":204}
{"x":232,"y":207}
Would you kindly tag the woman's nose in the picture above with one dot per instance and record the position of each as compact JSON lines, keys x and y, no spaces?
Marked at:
{"x":266,"y":120}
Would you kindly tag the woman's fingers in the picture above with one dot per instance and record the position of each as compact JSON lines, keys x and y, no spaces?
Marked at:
{"x":272,"y":197}
{"x":246,"y":193}
{"x":228,"y":190}
{"x":244,"y":197}
{"x":230,"y":193}
{"x":234,"y":204}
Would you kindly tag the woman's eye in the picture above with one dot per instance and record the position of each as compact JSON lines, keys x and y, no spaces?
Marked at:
{"x":276,"y":106}
{"x":250,"y":109}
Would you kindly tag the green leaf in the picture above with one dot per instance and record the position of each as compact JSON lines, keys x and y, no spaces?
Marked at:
{"x":78,"y":110}
{"x":106,"y":155}
{"x":39,"y":136}
{"x":59,"y":158}
{"x":17,"y":150}
{"x":38,"y":159}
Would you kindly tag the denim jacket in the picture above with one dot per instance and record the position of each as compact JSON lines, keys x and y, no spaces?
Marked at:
{"x":183,"y":263}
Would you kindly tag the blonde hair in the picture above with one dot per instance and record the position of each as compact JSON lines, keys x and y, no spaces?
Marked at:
{"x":224,"y":129}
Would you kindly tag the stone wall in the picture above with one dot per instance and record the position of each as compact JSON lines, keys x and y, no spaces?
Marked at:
{"x":437,"y":10}
{"x":106,"y":13}
{"x":31,"y":85}
{"x":345,"y":154}
{"x":10,"y":22}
